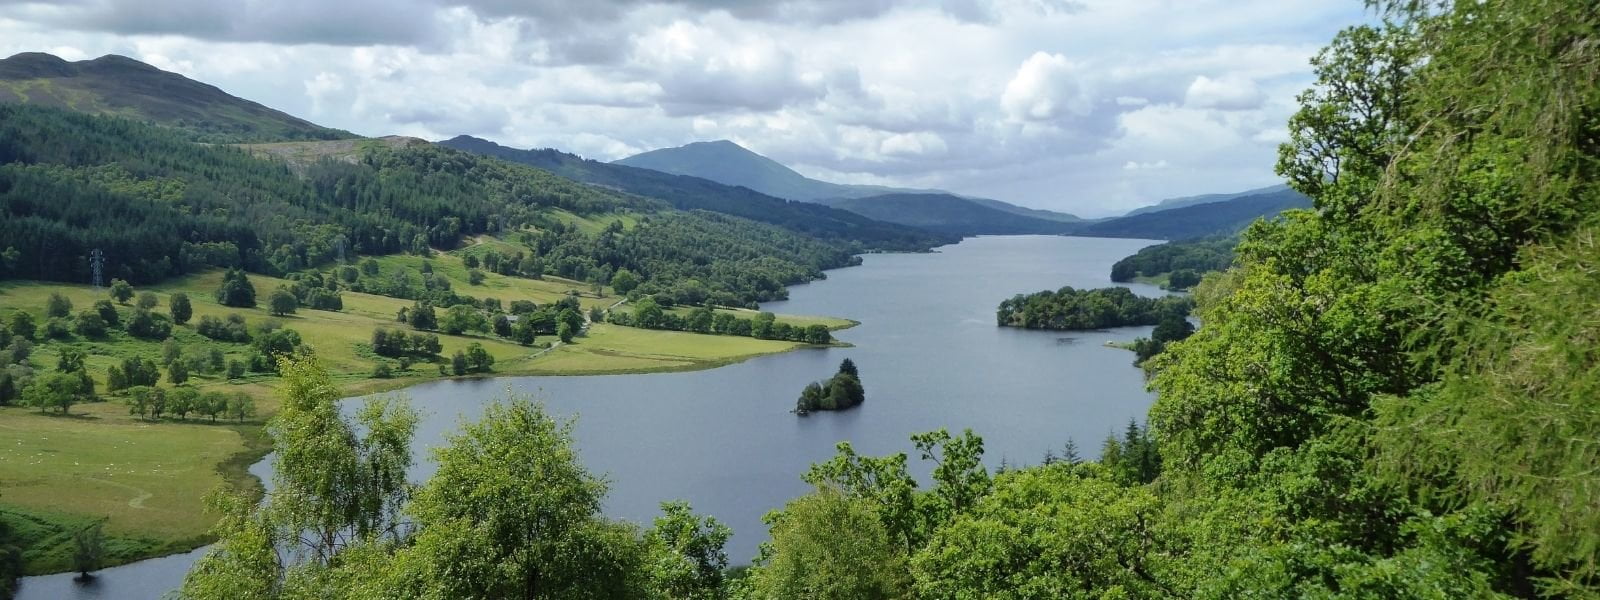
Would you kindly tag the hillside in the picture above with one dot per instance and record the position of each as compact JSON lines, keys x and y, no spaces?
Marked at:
{"x":731,"y":164}
{"x":725,"y":162}
{"x":694,"y":193}
{"x":949,"y":214}
{"x":1037,"y":213}
{"x":1200,"y":220}
{"x":1171,"y":203}
{"x":121,"y":86}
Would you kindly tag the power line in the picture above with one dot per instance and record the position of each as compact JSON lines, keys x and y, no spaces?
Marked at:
{"x":97,"y":263}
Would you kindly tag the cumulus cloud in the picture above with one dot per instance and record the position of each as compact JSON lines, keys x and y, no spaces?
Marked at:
{"x":1228,"y":93}
{"x":1089,"y":106}
{"x":1046,"y":87}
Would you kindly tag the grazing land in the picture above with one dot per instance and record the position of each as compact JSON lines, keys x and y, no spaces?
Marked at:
{"x":148,"y":478}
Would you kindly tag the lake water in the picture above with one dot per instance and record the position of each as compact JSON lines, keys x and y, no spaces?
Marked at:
{"x":930,"y":356}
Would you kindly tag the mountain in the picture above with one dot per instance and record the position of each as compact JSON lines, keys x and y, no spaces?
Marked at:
{"x":725,"y":162}
{"x":1224,"y":217}
{"x":1037,"y":213}
{"x":950,"y":214}
{"x":121,"y":86}
{"x":729,"y":163}
{"x":694,"y":193}
{"x":1171,"y":203}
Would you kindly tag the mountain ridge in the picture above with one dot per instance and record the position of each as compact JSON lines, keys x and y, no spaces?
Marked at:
{"x":688,"y":192}
{"x":1223,"y":217}
{"x":121,"y":86}
{"x":950,"y":214}
{"x":1184,"y":201}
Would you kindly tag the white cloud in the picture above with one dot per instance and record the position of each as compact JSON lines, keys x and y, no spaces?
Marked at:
{"x":1227,"y":93}
{"x":1046,"y":87}
{"x":921,"y":143}
{"x":1016,"y":99}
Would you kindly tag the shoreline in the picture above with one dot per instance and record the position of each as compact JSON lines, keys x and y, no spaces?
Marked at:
{"x":235,"y":469}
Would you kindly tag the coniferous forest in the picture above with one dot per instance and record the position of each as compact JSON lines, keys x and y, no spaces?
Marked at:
{"x":159,"y":206}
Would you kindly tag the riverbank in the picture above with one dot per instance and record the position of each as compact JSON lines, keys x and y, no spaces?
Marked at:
{"x":146,"y":479}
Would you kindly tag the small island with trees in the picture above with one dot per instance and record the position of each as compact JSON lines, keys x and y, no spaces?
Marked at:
{"x":840,"y":392}
{"x":1074,"y":309}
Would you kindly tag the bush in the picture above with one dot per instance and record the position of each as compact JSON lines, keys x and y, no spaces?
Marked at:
{"x":90,"y":325}
{"x":108,"y":313}
{"x":236,"y":290}
{"x":57,"y":329}
{"x":178,"y":305}
{"x":282,"y":303}
{"x":1183,"y":279}
{"x":148,"y":325}
{"x":233,"y":329}
{"x":57,"y":306}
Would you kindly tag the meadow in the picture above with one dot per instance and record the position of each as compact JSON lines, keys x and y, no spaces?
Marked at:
{"x":147,"y":478}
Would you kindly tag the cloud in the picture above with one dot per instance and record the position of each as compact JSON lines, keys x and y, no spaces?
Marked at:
{"x":921,"y":143}
{"x":1144,"y":166}
{"x":346,"y":22}
{"x":1089,"y":106}
{"x":1228,"y":93}
{"x":1046,"y":87}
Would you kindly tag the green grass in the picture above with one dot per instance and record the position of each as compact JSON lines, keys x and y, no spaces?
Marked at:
{"x":595,"y":223}
{"x":832,"y":323}
{"x":1155,"y":280}
{"x":147,"y":479}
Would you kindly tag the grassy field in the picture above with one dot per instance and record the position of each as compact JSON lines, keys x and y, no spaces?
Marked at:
{"x":147,"y":478}
{"x":1159,"y":281}
{"x":595,"y":223}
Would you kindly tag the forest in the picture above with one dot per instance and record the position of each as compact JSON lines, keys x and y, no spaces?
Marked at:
{"x":160,"y":206}
{"x":1391,"y":396}
{"x":1074,"y":309}
{"x":1183,"y":261}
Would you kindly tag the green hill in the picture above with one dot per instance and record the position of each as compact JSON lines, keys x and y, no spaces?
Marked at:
{"x":1224,"y":218}
{"x":946,"y":213}
{"x":121,"y":86}
{"x":725,"y":162}
{"x":1171,"y":203}
{"x":731,"y":164}
{"x":689,"y":193}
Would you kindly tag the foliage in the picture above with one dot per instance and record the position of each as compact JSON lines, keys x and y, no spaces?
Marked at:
{"x":685,"y":556}
{"x":236,"y":290}
{"x":89,"y":549}
{"x":231,"y":329}
{"x":22,"y":325}
{"x":120,"y":291}
{"x":1073,"y":309}
{"x":178,"y":305}
{"x":57,"y":306}
{"x":1172,"y":328}
{"x":282,"y":302}
{"x":1049,"y":532}
{"x":840,"y":392}
{"x":58,"y":390}
{"x":829,"y":546}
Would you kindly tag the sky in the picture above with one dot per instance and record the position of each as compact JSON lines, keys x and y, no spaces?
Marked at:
{"x":1087,"y":106}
